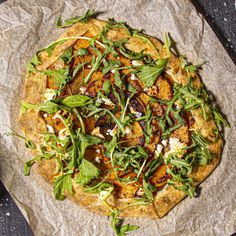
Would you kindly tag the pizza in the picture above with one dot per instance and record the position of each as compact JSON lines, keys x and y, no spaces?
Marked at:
{"x":117,"y":121}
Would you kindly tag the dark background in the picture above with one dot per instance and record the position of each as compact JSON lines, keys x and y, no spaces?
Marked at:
{"x":221,"y":16}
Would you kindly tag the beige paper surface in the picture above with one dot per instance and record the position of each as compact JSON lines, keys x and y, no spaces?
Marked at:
{"x":26,"y":26}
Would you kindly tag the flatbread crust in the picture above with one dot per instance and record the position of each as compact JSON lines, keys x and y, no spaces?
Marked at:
{"x":33,"y":125}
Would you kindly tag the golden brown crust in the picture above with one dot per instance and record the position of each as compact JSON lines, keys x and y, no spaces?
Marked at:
{"x":33,"y":125}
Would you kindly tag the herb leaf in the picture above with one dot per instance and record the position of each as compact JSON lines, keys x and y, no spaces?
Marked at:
{"x":76,"y":101}
{"x":48,"y":107}
{"x":68,"y":22}
{"x":29,"y":164}
{"x":147,"y":191}
{"x":117,"y":224}
{"x":88,"y":171}
{"x":33,"y":62}
{"x":61,"y":184}
{"x":149,"y":73}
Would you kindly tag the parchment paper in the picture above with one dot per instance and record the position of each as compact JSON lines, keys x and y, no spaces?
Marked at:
{"x":26,"y":26}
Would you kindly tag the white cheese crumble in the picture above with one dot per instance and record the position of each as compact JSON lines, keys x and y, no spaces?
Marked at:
{"x":50,"y":129}
{"x":113,"y":71}
{"x":63,"y":133}
{"x":133,"y":77}
{"x":140,"y":192}
{"x":136,"y":63}
{"x":89,"y":66}
{"x":49,"y":94}
{"x":97,"y":159}
{"x":158,"y":150}
{"x":136,"y":113}
{"x":164,"y":142}
{"x":107,"y":101}
{"x":175,"y":146}
{"x":103,"y":195}
{"x":127,"y":130}
{"x":98,"y":151}
{"x":96,"y":132}
{"x":82,"y":90}
{"x":112,"y":132}
{"x":45,"y":115}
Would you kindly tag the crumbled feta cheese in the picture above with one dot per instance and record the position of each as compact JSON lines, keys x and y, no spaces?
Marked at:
{"x":107,"y":101}
{"x":133,"y":77}
{"x":45,"y":115}
{"x":145,"y":90}
{"x":140,"y":192}
{"x":103,"y":195}
{"x":178,"y":105}
{"x":50,"y":129}
{"x":175,"y":146}
{"x":98,"y":151}
{"x":89,"y":66}
{"x":63,"y":133}
{"x":127,"y":130}
{"x":96,"y":132}
{"x":112,"y":132}
{"x":136,"y":63}
{"x":164,"y":142}
{"x":56,"y":116}
{"x":136,"y":113}
{"x":97,"y":159}
{"x":67,"y":154}
{"x":49,"y":94}
{"x":82,"y":90}
{"x":159,"y":148}
{"x":113,"y":71}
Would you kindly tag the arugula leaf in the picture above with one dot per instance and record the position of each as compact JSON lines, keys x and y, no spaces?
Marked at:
{"x":219,"y":120}
{"x":33,"y":62}
{"x":109,"y":65}
{"x":61,"y":184}
{"x":118,"y":81}
{"x":147,"y":191}
{"x":179,"y":170}
{"x":149,"y":73}
{"x":96,"y":62}
{"x":106,"y":87}
{"x":71,"y":21}
{"x":97,"y":188}
{"x":117,"y":224}
{"x":167,"y":43}
{"x":67,"y":55}
{"x":49,"y":49}
{"x":29,"y":164}
{"x":131,"y":54}
{"x":76,"y":101}
{"x":88,"y":172}
{"x":48,"y":107}
{"x":61,"y":76}
{"x":82,"y":52}
{"x":86,"y":141}
{"x":148,"y":118}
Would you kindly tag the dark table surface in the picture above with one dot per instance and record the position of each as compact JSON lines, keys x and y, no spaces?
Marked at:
{"x":221,"y":15}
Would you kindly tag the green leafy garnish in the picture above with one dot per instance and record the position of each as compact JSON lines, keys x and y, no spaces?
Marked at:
{"x":149,"y":73}
{"x":61,"y":184}
{"x":33,"y":62}
{"x":76,"y":101}
{"x":48,"y":107}
{"x":71,"y":21}
{"x":117,"y":224}
{"x":88,"y":172}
